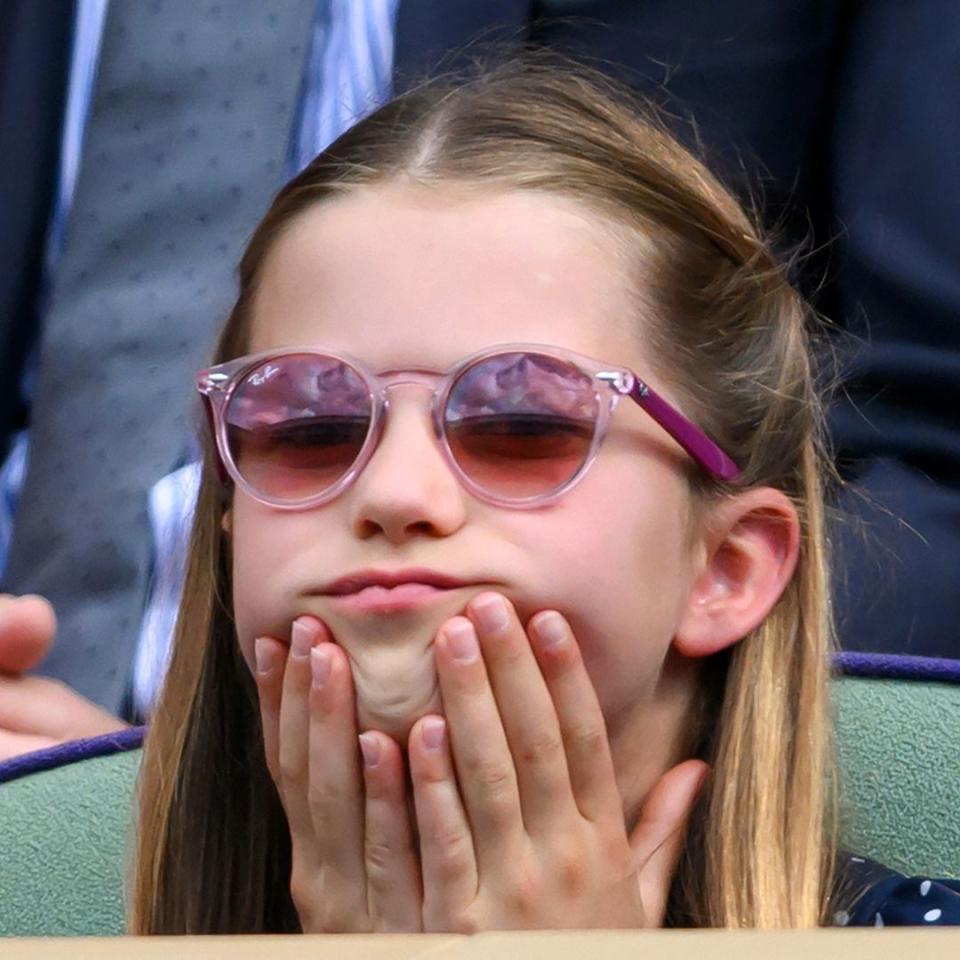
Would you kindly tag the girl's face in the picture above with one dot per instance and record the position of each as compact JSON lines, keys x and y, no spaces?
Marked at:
{"x":403,"y":277}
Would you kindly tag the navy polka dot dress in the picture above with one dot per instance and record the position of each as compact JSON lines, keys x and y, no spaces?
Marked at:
{"x":884,"y":898}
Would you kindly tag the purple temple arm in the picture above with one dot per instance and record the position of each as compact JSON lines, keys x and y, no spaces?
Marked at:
{"x":691,"y":438}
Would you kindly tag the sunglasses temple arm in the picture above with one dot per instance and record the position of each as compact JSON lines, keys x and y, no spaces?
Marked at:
{"x":690,"y":437}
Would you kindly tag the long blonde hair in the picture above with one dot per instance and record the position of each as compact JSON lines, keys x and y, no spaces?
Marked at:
{"x":733,"y":337}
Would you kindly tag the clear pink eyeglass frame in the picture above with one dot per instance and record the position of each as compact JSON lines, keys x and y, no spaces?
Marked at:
{"x":218,"y":383}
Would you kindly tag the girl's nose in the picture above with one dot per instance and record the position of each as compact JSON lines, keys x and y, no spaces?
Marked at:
{"x":407,"y":488}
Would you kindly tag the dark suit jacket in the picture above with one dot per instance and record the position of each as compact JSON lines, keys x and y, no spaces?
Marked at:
{"x":35,"y":39}
{"x":845,"y":114}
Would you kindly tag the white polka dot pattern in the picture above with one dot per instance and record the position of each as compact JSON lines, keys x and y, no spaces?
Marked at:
{"x":885,"y":898}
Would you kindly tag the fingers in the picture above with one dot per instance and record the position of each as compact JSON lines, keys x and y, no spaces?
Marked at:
{"x":270,"y":656}
{"x":283,"y":681}
{"x":547,"y":710}
{"x":27,"y":627}
{"x":447,"y":857}
{"x":41,"y":707}
{"x":355,"y":866}
{"x":310,"y":744}
{"x":392,"y":867}
{"x":657,"y":839}
{"x":582,"y":727}
{"x":294,"y":718}
{"x":335,"y":784}
{"x":482,"y":760}
{"x":16,"y":744}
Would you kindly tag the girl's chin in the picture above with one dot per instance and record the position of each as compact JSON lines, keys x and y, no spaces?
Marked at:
{"x":396,"y":720}
{"x":391,"y":696}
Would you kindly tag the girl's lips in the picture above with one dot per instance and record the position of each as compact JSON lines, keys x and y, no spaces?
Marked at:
{"x":396,"y":599}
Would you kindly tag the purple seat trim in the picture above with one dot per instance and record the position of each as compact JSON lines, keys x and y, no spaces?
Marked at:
{"x":896,"y":666}
{"x":71,"y":752}
{"x":878,"y":665}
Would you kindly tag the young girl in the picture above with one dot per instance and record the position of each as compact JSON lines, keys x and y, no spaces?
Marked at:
{"x":507,"y":598}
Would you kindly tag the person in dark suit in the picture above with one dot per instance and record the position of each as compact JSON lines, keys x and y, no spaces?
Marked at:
{"x":837,"y":109}
{"x":35,"y":43}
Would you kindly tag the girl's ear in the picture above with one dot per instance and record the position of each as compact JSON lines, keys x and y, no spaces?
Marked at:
{"x":749,"y":554}
{"x":226,"y":521}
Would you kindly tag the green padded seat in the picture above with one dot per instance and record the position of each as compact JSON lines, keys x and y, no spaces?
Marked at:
{"x":62,"y":847}
{"x":64,"y":832}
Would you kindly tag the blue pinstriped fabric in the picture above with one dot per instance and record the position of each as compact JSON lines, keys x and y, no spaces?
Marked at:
{"x":348,"y":73}
{"x":11,"y":480}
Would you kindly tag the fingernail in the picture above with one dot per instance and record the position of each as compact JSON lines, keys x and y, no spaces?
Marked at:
{"x":301,"y":638}
{"x":265,"y":655}
{"x":370,"y":748}
{"x":463,"y":641}
{"x":492,"y":613}
{"x":552,"y":630}
{"x":432,"y":732}
{"x":320,"y":665}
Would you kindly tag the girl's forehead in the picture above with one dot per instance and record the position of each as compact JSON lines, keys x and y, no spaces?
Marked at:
{"x":409,"y":276}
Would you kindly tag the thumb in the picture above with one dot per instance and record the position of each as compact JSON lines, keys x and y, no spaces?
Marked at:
{"x":27,"y":627}
{"x":658,"y":838}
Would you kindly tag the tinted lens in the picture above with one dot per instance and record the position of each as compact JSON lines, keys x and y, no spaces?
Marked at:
{"x":521,"y":425}
{"x":296,"y":424}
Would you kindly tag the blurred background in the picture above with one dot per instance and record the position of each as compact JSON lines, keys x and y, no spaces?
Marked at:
{"x":141,"y":140}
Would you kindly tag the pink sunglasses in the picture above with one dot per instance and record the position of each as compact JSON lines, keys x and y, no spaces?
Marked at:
{"x":519,"y":424}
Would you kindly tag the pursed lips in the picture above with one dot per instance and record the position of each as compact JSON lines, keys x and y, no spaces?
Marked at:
{"x":385,"y":592}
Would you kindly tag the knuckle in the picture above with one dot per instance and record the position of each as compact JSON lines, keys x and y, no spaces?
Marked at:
{"x":381,"y":857}
{"x":301,"y":895}
{"x":524,"y":894}
{"x":320,"y":912}
{"x":436,"y":919}
{"x":466,"y":924}
{"x":589,"y":738}
{"x":292,"y":768}
{"x":541,"y":749}
{"x":497,"y":780}
{"x":570,"y":871}
{"x":334,"y":814}
{"x":326,"y":818}
{"x":452,"y":851}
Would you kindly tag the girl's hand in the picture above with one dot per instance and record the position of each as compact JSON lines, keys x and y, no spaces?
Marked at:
{"x":534,"y":837}
{"x":354,"y":865}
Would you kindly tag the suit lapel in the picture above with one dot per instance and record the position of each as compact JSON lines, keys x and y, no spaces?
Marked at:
{"x":428,"y":31}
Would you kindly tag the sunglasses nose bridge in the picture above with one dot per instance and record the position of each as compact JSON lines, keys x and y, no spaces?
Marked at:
{"x":399,"y":378}
{"x":411,"y":416}
{"x":425,"y":379}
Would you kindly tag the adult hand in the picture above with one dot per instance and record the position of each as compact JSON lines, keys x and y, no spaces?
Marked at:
{"x":27,"y":628}
{"x":37,"y":712}
{"x":519,"y":818}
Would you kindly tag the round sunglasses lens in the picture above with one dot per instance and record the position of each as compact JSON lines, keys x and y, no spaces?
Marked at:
{"x":520,"y":425}
{"x":296,"y":424}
